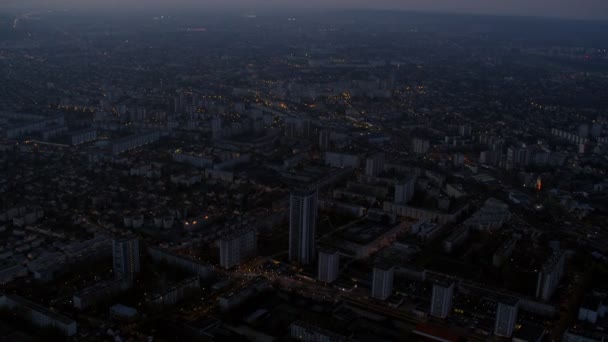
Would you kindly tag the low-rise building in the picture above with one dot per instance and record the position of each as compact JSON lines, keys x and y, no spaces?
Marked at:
{"x":99,"y":292}
{"x":175,"y":293}
{"x":303,"y":331}
{"x":39,"y":315}
{"x":82,"y":136}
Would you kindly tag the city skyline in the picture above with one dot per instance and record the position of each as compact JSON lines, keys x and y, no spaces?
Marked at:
{"x":302,"y":174}
{"x":569,"y":9}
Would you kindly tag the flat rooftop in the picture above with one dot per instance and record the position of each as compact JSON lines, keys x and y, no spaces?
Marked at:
{"x":364,"y":232}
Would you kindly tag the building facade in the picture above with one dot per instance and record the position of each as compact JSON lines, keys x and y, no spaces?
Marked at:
{"x":125,"y":253}
{"x":506,"y":318}
{"x":550,"y":275}
{"x":441,"y":303}
{"x":237,"y":247}
{"x":404,"y":190}
{"x":302,"y":226}
{"x":329,"y":265}
{"x":382,"y":282}
{"x":374,"y":165}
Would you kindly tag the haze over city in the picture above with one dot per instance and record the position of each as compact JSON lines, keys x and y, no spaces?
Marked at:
{"x":581,"y":9}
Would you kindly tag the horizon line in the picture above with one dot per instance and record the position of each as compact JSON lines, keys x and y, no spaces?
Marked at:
{"x":261,"y":9}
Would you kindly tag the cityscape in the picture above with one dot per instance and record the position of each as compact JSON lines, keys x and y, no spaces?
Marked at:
{"x":322,"y":175}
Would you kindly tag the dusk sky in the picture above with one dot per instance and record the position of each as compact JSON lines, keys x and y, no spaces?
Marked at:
{"x":588,"y":9}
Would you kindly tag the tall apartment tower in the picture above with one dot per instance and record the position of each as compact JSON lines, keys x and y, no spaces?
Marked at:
{"x":237,"y":248}
{"x":441,"y":302}
{"x":374,"y":165}
{"x":382,"y":282}
{"x":303,"y":226}
{"x":329,"y":265}
{"x":420,"y":146}
{"x":465,"y":130}
{"x":550,"y":275}
{"x":404,"y":190}
{"x":324,"y":136}
{"x":291,"y":128}
{"x":126,"y":257}
{"x":216,"y":127}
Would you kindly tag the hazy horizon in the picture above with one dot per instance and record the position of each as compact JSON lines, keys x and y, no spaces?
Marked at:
{"x":572,"y":9}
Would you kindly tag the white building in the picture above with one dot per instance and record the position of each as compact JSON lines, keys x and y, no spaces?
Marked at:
{"x":53,"y":131}
{"x":382,"y":282}
{"x":550,"y":275}
{"x":83,"y":136}
{"x":176,"y":293}
{"x":237,"y":247}
{"x":198,"y":161}
{"x":329,"y":265}
{"x":302,"y":331}
{"x":458,"y":159}
{"x":584,"y":335}
{"x":324,"y":137}
{"x":420,"y":146}
{"x":204,"y":271}
{"x":342,"y":160}
{"x":454,"y":191}
{"x":125,"y":253}
{"x":456,"y":238}
{"x":38,"y":124}
{"x":46,"y":265}
{"x":465,"y":130}
{"x":134,"y":141}
{"x":298,"y":128}
{"x":506,"y":318}
{"x":374,"y":165}
{"x":39,"y":315}
{"x":441,"y":217}
{"x":404,"y":190}
{"x":234,"y":299}
{"x":493,"y":215}
{"x":99,"y":292}
{"x":441,"y":302}
{"x":302,"y":226}
{"x":425,"y":230}
{"x":122,"y":311}
{"x":591,"y":314}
